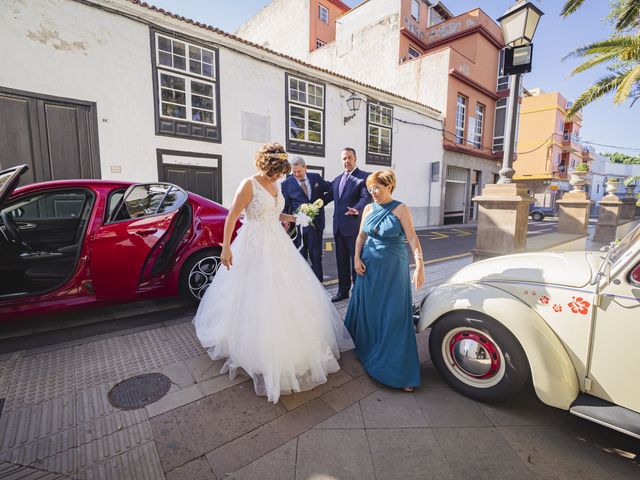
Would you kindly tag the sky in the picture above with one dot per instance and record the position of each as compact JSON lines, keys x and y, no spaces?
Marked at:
{"x":604,"y":122}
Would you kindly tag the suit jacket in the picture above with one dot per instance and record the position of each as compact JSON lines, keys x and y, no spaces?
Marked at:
{"x":294,"y":196}
{"x":354,"y":195}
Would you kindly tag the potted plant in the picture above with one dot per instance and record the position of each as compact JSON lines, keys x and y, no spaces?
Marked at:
{"x":579,"y":176}
{"x":612,"y":185}
{"x":630,"y":184}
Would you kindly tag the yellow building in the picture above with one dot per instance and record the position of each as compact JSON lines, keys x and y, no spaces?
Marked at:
{"x":548,"y":145}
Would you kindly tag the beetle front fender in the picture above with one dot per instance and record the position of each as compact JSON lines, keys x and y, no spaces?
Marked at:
{"x":553,"y":374}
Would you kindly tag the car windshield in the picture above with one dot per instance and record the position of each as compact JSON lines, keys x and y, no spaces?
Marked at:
{"x":623,"y":249}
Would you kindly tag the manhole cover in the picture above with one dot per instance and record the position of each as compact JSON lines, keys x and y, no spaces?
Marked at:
{"x":139,"y":391}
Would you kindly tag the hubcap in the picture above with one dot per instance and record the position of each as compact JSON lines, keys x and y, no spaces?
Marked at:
{"x":473,"y":357}
{"x":201,"y":275}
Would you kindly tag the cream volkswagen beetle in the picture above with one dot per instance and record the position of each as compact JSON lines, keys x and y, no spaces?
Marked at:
{"x":569,"y":321}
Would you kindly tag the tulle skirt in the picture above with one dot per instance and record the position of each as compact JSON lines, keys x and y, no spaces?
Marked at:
{"x":269,"y":316}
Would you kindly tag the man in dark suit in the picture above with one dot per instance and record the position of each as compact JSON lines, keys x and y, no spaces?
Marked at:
{"x":305,"y":187}
{"x":350,"y":196}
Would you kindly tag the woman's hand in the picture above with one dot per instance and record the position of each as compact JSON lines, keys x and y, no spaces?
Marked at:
{"x":226,"y":257}
{"x":418,"y":276}
{"x":359,"y":266}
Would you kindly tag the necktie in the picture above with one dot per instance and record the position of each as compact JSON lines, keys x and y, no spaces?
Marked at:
{"x":343,"y":182}
{"x":303,"y":185}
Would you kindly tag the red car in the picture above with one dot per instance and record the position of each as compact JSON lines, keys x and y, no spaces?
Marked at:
{"x":72,"y":243}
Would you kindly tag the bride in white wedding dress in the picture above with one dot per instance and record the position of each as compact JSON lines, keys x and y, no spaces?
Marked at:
{"x":266,"y":313}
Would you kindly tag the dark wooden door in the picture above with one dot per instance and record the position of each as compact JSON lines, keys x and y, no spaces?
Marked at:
{"x":56,"y":138}
{"x":201,"y":180}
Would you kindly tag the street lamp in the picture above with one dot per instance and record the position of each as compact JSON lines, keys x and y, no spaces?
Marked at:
{"x":353,"y":102}
{"x":518,"y":24}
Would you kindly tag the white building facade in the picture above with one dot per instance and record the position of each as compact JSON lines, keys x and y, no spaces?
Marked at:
{"x":115,"y":89}
{"x":602,"y":169}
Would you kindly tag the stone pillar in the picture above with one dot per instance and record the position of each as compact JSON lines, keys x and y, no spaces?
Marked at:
{"x":573,"y":213}
{"x":503,"y":215}
{"x":608,"y":216}
{"x":628,"y":209}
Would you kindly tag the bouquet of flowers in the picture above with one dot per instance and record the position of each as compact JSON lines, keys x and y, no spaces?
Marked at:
{"x":307,"y":212}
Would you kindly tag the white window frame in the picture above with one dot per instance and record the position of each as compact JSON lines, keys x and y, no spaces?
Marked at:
{"x":415,"y":10}
{"x":323,"y":13}
{"x":479,"y":127}
{"x":413,"y":55}
{"x":502,"y":82}
{"x":461,"y":118}
{"x":498,"y":140}
{"x":307,"y":106}
{"x":380,"y":118}
{"x":319,"y":43}
{"x":186,"y":70}
{"x":188,"y":93}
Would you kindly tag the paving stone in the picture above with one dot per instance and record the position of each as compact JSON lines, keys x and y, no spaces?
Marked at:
{"x":198,"y":469}
{"x":350,"y":363}
{"x":343,"y":454}
{"x":9,"y":471}
{"x":41,"y":377}
{"x":525,"y":409}
{"x":6,"y":370}
{"x":203,"y":368}
{"x":421,"y":456}
{"x":179,"y":374}
{"x":444,"y":407}
{"x":172,"y":445}
{"x":174,"y":400}
{"x":54,"y":453}
{"x":31,"y":423}
{"x":217,"y":384}
{"x":349,"y":393}
{"x":150,"y":350}
{"x":301,"y":419}
{"x":184,"y":336}
{"x":101,"y":362}
{"x":227,"y":415}
{"x":480,"y":453}
{"x":115,"y":444}
{"x":93,"y":403}
{"x":280,"y":464}
{"x":350,"y":417}
{"x":334,"y":380}
{"x":430,"y":378}
{"x":141,"y":463}
{"x":244,"y":450}
{"x":388,"y":408}
{"x":550,"y":453}
{"x":107,"y":425}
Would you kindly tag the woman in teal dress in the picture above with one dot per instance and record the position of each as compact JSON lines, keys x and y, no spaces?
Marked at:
{"x":380,"y":317}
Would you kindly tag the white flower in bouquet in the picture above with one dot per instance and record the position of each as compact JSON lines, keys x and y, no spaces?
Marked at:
{"x":307,"y":212}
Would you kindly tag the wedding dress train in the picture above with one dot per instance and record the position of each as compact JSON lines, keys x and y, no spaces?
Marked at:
{"x":268,"y":315}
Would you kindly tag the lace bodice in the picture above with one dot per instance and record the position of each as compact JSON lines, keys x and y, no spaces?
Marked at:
{"x":264,"y":207}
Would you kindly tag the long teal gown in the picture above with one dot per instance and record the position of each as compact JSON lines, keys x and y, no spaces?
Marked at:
{"x":380,"y":317}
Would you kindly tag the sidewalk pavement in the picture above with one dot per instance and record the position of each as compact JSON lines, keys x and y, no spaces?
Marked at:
{"x":57,"y":422}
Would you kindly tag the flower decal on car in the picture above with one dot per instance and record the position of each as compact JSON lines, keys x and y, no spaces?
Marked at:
{"x":579,"y":305}
{"x":557,"y":308}
{"x":544,"y":300}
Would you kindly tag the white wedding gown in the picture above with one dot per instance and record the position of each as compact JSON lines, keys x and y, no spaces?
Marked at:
{"x":268,"y":315}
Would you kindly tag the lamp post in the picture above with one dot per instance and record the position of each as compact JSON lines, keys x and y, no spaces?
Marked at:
{"x":518,"y":24}
{"x":353,"y":102}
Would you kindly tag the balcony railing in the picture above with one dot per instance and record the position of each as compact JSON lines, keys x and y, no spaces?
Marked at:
{"x":571,"y":142}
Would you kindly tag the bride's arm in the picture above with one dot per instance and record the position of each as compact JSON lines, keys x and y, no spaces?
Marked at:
{"x":285,"y":217}
{"x":240,"y":201}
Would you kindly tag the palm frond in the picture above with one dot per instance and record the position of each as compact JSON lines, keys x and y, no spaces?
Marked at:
{"x":570,"y":6}
{"x":625,"y":45}
{"x":603,"y":86}
{"x":630,"y":15}
{"x":596,"y":60}
{"x":631,"y":78}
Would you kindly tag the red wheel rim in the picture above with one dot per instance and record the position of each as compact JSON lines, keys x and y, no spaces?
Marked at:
{"x":474,"y":354}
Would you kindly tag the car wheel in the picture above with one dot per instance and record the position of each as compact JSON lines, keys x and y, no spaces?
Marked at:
{"x":537,"y":216}
{"x":198,"y":272}
{"x":477,"y":356}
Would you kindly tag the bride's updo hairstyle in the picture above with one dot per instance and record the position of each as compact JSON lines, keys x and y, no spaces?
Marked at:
{"x":271,"y":160}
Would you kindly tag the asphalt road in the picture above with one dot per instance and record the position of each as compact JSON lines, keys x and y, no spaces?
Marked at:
{"x":437,"y":244}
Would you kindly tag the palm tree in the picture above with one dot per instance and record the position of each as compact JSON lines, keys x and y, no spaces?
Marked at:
{"x":620,"y":52}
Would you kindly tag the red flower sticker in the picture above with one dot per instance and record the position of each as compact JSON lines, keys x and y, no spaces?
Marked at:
{"x":526,"y":292}
{"x":579,"y":305}
{"x":557,"y":308}
{"x":544,"y":300}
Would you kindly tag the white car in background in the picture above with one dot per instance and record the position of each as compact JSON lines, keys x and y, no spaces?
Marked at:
{"x":567,"y":321}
